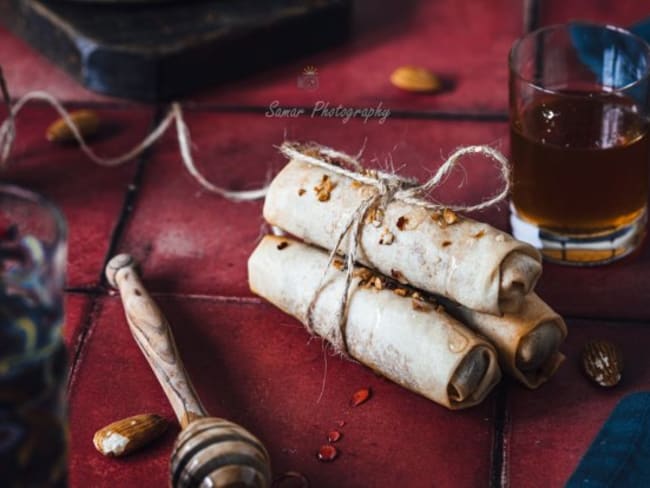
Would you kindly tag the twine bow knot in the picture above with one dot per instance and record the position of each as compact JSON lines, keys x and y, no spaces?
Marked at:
{"x":388,"y":187}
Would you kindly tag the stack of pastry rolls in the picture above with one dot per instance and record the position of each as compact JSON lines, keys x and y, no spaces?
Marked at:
{"x":438,"y":303}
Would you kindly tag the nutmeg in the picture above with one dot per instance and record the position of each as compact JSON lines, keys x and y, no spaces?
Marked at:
{"x":602,"y":362}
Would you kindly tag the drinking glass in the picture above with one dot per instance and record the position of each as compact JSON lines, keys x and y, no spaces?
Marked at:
{"x":33,"y":373}
{"x":579,"y":143}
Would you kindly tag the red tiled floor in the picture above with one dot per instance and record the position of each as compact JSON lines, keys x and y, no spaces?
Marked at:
{"x":90,"y":196}
{"x":622,"y":12}
{"x":550,"y":429}
{"x":26,"y":70}
{"x":77,"y":308}
{"x":256,"y":366}
{"x":189,"y":241}
{"x":465,"y":42}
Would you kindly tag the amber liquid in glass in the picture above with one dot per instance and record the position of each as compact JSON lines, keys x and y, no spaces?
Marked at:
{"x":580,"y":163}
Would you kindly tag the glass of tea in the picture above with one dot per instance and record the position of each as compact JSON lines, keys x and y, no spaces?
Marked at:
{"x":579,"y":142}
{"x":33,"y":373}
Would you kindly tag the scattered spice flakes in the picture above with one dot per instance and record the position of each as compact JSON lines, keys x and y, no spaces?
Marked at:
{"x":375,"y":216}
{"x":301,"y":191}
{"x":400,"y":291}
{"x":334,"y":436}
{"x":363,"y":273}
{"x":446,"y":243}
{"x":402,"y":222}
{"x":324,"y":189}
{"x":338,"y":264}
{"x":449,"y":216}
{"x":420,"y":305}
{"x":378,"y":283}
{"x":360,"y":396}
{"x":356,"y":184}
{"x":282,"y":245}
{"x":397,"y":274}
{"x":327,"y":453}
{"x":479,"y":234}
{"x":386,"y":238}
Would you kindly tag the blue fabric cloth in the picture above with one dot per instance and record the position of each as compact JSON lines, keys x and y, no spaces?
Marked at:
{"x":619,"y":457}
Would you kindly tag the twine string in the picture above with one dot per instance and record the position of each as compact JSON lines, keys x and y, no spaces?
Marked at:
{"x":389,"y":187}
{"x":175,"y":114}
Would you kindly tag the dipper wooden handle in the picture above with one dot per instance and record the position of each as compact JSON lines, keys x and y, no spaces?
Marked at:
{"x":209,"y":452}
{"x":153,"y":335}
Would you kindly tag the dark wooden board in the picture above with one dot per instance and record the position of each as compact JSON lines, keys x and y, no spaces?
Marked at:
{"x":163,"y":50}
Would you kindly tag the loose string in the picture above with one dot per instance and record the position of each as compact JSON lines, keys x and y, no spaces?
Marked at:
{"x":389,"y":187}
{"x":175,"y":114}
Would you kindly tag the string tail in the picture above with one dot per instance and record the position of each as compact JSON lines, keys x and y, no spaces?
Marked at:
{"x":175,"y":114}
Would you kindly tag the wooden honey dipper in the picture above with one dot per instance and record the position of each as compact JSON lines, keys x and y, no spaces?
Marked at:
{"x":209,"y":451}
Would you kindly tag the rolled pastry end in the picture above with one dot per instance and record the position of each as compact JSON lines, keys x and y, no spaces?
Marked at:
{"x":538,"y":355}
{"x":519,"y":275}
{"x":474,"y":377}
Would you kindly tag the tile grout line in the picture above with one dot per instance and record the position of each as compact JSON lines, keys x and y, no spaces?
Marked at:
{"x":80,"y":342}
{"x":116,"y":234}
{"x":129,"y":201}
{"x":499,"y":461}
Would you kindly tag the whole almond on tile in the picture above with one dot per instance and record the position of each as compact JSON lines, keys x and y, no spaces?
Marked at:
{"x":602,"y":362}
{"x":415,"y":79}
{"x":127,"y":435}
{"x":86,"y":121}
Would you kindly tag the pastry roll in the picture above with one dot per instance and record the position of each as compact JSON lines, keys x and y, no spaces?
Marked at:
{"x":527,"y":342}
{"x":470,"y":262}
{"x":411,"y":342}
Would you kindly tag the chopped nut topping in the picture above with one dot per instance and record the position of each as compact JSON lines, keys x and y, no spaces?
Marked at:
{"x":400,"y":291}
{"x":311,"y":151}
{"x":375,"y":216}
{"x":372,"y":173}
{"x":416,"y":295}
{"x":479,"y":234}
{"x":420,"y":305}
{"x":378,"y":283}
{"x":324,"y":188}
{"x":338,"y":264}
{"x":397,"y":274}
{"x":363,"y":273}
{"x":449,"y":216}
{"x":282,"y":245}
{"x":446,"y":243}
{"x":386,"y":238}
{"x":402,"y":222}
{"x":301,"y":192}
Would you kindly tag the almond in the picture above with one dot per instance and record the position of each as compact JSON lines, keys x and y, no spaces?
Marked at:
{"x":86,"y":121}
{"x":129,"y":434}
{"x":602,"y":362}
{"x":415,"y":79}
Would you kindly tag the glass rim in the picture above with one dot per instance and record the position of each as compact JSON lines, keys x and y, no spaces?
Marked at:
{"x":61,"y":228}
{"x":620,"y":30}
